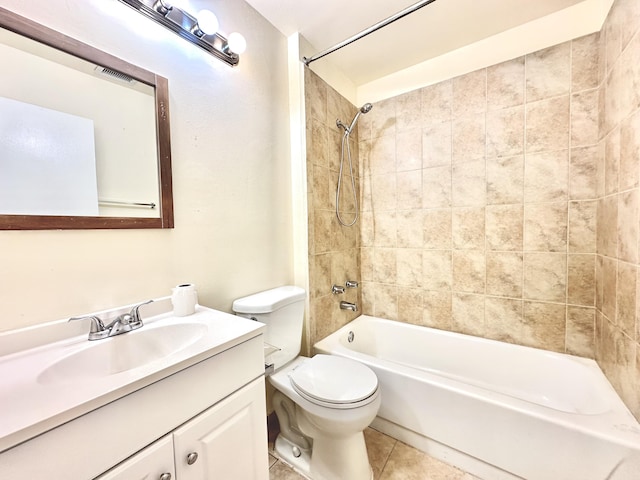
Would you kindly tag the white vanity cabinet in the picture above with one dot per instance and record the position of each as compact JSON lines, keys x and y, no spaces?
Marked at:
{"x":153,"y":463}
{"x":145,"y":423}
{"x":227,"y":441}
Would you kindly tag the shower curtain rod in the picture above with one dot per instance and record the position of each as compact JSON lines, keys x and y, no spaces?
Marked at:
{"x":367,"y":31}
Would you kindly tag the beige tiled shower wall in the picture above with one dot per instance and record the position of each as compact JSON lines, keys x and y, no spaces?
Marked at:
{"x":479,"y":201}
{"x":617,"y":326}
{"x":333,"y":249}
{"x":480,"y":197}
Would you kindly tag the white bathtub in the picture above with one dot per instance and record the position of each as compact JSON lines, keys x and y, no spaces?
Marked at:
{"x":497,"y":410}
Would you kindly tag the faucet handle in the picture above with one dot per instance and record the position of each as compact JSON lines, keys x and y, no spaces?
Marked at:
{"x":351,"y":284}
{"x":135,"y":313}
{"x":97,"y":329}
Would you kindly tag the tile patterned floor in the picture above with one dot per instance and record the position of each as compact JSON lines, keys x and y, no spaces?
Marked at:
{"x":390,"y":460}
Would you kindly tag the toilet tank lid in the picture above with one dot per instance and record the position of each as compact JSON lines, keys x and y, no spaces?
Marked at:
{"x":269,"y":300}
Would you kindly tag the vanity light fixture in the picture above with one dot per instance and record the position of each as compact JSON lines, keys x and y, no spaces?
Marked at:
{"x":200,"y":29}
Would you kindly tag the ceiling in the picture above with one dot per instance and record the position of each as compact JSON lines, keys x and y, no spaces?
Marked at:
{"x":436,"y":29}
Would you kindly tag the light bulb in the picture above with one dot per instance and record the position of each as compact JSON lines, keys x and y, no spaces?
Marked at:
{"x":207,"y":22}
{"x":237,"y":43}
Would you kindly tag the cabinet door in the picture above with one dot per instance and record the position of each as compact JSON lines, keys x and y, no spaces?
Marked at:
{"x":228,"y":441}
{"x":153,"y":463}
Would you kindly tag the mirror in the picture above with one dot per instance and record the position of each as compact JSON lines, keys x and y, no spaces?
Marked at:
{"x":84,"y":136}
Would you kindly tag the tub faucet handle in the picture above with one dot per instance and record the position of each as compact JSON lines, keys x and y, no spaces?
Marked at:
{"x":351,"y":284}
{"x":337,"y":289}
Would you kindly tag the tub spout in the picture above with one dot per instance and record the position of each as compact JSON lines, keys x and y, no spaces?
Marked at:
{"x":348,"y":306}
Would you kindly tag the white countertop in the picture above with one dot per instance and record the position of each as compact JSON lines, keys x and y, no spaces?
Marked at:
{"x":29,"y":406}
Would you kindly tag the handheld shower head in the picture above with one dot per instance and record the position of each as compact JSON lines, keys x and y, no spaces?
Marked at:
{"x":366,"y":108}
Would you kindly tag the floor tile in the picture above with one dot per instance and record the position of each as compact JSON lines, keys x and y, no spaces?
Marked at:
{"x":282,"y":471}
{"x":390,"y":460}
{"x":408,"y":463}
{"x":379,"y":447}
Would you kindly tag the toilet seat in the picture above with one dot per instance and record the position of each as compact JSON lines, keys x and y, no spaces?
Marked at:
{"x":334,"y":382}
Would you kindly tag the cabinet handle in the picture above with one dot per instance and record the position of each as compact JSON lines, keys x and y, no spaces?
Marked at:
{"x":191,"y":458}
{"x":165,"y":476}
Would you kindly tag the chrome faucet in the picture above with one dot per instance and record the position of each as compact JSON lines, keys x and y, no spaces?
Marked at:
{"x":337,"y":289}
{"x":348,"y":306}
{"x":121,"y":324}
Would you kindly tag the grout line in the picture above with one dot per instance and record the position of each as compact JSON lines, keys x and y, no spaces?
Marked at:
{"x":386,"y":461}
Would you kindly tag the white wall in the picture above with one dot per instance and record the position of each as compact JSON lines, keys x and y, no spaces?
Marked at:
{"x":564,"y":25}
{"x":231,"y":173}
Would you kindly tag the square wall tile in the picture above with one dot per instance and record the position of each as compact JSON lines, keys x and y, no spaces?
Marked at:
{"x":436,"y":145}
{"x":437,"y":231}
{"x":546,"y":177}
{"x":504,"y":227}
{"x":469,"y":271}
{"x":505,"y":84}
{"x":408,"y":267}
{"x":628,"y":217}
{"x":626,"y":298}
{"x":545,"y":227}
{"x":582,"y":227}
{"x":409,"y":190}
{"x":469,"y":184}
{"x":548,"y":72}
{"x":547,"y":125}
{"x":436,"y":187}
{"x":584,"y":118}
{"x":505,"y":179}
{"x":468,"y":232}
{"x":505,"y":132}
{"x":581,"y":280}
{"x":583,"y":173}
{"x":410,"y":228}
{"x":468,"y":138}
{"x":436,"y":309}
{"x":545,"y":325}
{"x":503,"y":319}
{"x":469,"y":93}
{"x":383,"y":118}
{"x":467,"y":314}
{"x":584,"y":62}
{"x":410,"y":305}
{"x":545,"y":277}
{"x":504,"y":274}
{"x":408,"y":111}
{"x":436,"y":270}
{"x":580,"y":331}
{"x":409,"y":150}
{"x":629,"y":152}
{"x":436,"y":102}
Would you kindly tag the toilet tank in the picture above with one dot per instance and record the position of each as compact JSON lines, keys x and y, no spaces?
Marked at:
{"x":282,"y":311}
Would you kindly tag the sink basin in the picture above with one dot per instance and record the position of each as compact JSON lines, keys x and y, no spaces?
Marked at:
{"x":123,"y":352}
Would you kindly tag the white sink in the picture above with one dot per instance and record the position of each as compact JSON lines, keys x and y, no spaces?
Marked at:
{"x":51,"y":374}
{"x":123,"y":352}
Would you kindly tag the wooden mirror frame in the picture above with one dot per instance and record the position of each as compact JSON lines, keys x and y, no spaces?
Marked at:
{"x":27,"y":28}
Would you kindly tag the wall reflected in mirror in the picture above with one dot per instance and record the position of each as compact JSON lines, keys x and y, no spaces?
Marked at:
{"x":77,"y":139}
{"x":84,"y":136}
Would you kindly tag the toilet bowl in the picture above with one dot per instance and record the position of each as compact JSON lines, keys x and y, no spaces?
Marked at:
{"x":329,"y":414}
{"x":323,"y":403}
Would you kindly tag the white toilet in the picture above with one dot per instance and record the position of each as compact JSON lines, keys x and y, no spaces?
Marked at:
{"x":323,"y":403}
